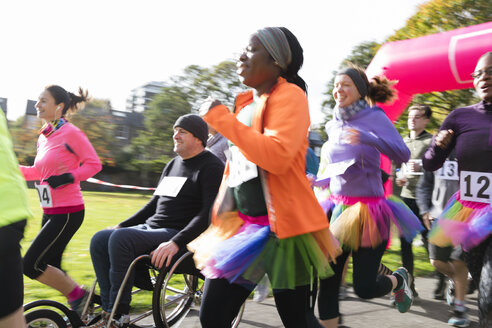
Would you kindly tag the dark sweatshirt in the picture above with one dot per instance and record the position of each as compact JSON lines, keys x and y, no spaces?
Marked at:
{"x":189,"y":211}
{"x":472,"y":140}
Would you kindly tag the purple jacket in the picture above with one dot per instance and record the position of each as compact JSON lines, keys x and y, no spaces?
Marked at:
{"x":377,"y":135}
{"x":472,"y":140}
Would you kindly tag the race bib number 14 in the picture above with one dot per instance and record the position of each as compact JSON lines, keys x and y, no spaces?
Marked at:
{"x":476,"y":186}
{"x":44,"y":193}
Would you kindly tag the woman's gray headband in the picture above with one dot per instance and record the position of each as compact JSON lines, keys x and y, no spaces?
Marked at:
{"x":358,"y":81}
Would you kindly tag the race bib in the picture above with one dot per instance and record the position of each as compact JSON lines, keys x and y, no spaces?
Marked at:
{"x":240,"y":169}
{"x":333,"y":169}
{"x":449,"y":171}
{"x":170,"y":186}
{"x":476,"y":186}
{"x":44,"y":193}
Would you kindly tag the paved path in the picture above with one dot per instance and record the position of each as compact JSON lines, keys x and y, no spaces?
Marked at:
{"x":425,"y":312}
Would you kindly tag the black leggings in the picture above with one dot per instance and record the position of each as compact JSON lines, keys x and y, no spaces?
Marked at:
{"x":50,"y":243}
{"x":367,"y":282}
{"x":11,"y":283}
{"x":479,"y":263}
{"x":222,"y":300}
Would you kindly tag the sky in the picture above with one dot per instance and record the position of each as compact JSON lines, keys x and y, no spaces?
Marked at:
{"x":111,"y":47}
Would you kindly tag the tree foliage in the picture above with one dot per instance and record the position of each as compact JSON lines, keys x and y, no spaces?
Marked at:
{"x":439,"y":16}
{"x":95,"y":121}
{"x":24,"y":137}
{"x":220,"y":82}
{"x":432,"y":17}
{"x":153,"y":148}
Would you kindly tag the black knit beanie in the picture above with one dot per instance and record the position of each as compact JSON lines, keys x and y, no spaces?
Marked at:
{"x":195,"y":125}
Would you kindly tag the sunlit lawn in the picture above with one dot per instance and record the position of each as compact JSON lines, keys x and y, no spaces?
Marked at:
{"x":102,"y":210}
{"x":105,"y":209}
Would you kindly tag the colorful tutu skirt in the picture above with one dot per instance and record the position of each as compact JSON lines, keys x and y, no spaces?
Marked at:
{"x":242,"y":249}
{"x":366,"y":221}
{"x":462,"y":223}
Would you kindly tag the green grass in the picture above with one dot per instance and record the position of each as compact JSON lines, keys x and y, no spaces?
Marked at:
{"x":107,"y":209}
{"x":102,"y":210}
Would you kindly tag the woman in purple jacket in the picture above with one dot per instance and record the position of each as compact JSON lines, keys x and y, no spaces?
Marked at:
{"x":467,"y":218}
{"x":360,"y":214}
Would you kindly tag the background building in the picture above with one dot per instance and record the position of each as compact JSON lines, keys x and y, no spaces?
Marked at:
{"x":140,"y":97}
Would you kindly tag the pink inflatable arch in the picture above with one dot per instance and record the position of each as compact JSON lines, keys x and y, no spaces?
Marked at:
{"x":436,"y":62}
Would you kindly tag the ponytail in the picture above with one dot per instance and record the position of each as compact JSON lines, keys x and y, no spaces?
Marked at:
{"x":72,"y":102}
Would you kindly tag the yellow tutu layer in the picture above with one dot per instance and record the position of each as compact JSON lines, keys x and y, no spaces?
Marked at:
{"x":355,"y":225}
{"x":437,"y":235}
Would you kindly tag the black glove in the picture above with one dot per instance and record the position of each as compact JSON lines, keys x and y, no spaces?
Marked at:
{"x":56,"y":181}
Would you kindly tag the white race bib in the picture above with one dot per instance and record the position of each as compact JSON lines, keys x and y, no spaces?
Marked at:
{"x":170,"y":186}
{"x":476,"y":186}
{"x":449,"y":171}
{"x":333,"y":169}
{"x":44,"y":193}
{"x":240,"y":169}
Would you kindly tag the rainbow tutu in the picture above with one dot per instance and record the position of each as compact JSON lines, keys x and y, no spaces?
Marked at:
{"x":366,"y":221}
{"x":242,"y":249}
{"x":462,"y":223}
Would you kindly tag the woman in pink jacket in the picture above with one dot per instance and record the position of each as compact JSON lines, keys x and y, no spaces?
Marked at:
{"x":64,"y":158}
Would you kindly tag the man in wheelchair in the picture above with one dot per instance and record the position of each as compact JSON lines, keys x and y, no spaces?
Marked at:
{"x":177,"y":213}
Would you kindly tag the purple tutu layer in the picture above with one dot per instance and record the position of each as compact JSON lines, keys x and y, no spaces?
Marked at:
{"x":465,"y":223}
{"x":235,"y":254}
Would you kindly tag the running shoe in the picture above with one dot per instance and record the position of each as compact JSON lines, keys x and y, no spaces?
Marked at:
{"x":403,"y":295}
{"x":459,"y":319}
{"x":78,"y":304}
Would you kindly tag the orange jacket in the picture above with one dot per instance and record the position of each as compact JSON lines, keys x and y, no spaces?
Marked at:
{"x":277,"y":143}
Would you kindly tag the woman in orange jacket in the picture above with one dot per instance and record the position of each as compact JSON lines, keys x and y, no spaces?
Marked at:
{"x":266,"y":218}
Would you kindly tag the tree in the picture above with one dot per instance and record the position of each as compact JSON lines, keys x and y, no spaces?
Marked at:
{"x":24,"y":139}
{"x":220,"y":82}
{"x":440,"y":16}
{"x":153,"y":147}
{"x":432,"y":17}
{"x":95,"y":121}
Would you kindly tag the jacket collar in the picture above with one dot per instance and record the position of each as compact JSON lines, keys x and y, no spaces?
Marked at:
{"x":245,"y":98}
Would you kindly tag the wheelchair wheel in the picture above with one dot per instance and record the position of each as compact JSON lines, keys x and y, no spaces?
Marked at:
{"x":173,"y":296}
{"x":45,"y":318}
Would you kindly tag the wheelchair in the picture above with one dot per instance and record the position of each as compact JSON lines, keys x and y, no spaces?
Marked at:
{"x":175,"y":290}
